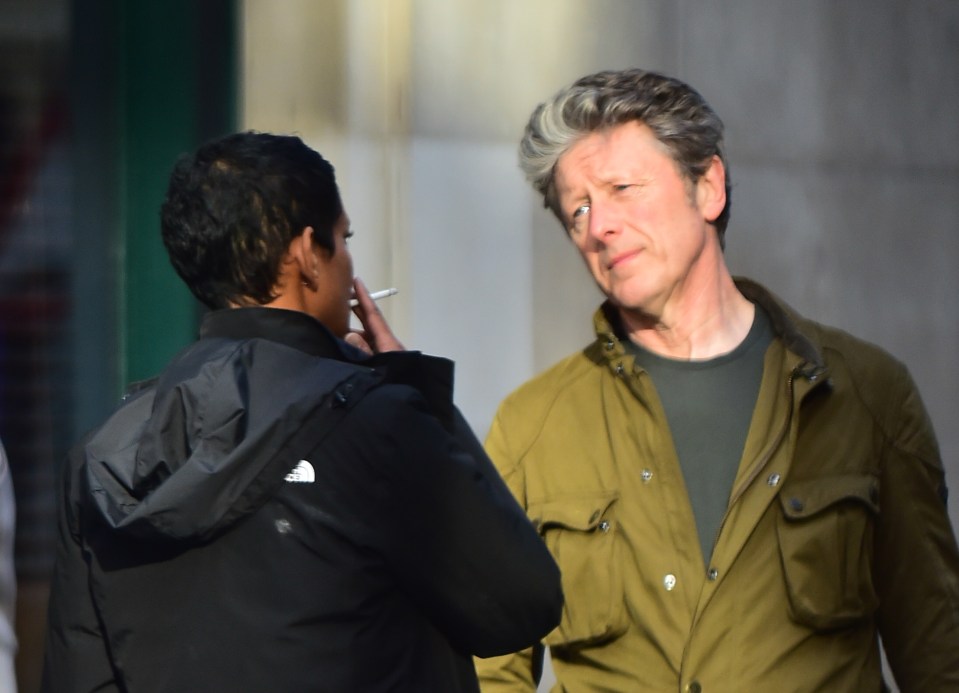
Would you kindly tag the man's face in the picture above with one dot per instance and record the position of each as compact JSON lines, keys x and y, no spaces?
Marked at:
{"x":331,"y":302}
{"x":638,"y":224}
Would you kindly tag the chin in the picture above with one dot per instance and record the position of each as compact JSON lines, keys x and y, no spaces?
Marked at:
{"x":631,"y":303}
{"x":626,"y":298}
{"x":339,"y":325}
{"x":634,"y":294}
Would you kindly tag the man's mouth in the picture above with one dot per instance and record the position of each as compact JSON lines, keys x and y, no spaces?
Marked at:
{"x":620,"y":258}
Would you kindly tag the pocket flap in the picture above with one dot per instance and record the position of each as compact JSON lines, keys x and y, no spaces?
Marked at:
{"x":806,"y":498}
{"x":582,"y":513}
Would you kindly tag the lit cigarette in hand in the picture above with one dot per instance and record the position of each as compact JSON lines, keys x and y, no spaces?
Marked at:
{"x":376,"y":296}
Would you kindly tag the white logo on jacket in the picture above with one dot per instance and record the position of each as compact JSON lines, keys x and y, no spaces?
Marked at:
{"x":302,"y":473}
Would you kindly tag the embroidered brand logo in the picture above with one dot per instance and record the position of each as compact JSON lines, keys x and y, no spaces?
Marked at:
{"x":302,"y":473}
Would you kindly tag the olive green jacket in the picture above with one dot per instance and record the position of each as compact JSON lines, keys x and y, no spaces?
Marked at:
{"x":836,"y":529}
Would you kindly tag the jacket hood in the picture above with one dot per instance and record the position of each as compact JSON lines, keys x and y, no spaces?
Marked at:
{"x":187,"y":456}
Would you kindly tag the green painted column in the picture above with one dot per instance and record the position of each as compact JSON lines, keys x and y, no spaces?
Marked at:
{"x":176,"y":88}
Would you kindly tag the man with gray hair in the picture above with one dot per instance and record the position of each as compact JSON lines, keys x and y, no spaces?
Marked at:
{"x":739,"y":498}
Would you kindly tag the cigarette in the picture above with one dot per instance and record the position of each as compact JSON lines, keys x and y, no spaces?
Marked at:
{"x":376,"y":295}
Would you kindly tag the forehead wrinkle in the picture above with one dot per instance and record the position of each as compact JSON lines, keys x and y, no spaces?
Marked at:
{"x":596,"y":160}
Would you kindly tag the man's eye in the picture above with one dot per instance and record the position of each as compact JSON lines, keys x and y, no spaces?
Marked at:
{"x":578,"y":219}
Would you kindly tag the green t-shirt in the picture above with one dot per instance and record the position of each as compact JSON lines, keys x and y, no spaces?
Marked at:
{"x":709,"y":405}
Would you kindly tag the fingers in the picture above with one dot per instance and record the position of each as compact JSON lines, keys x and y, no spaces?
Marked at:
{"x":356,"y":339}
{"x":377,"y":331}
{"x":363,"y":301}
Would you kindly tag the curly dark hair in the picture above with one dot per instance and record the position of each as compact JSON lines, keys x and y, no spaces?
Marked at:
{"x":232,"y":208}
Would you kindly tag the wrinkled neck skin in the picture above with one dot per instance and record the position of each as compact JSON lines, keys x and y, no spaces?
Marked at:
{"x":703,"y":317}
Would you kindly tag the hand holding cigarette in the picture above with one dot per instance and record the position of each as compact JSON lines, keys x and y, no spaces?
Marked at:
{"x":376,"y":296}
{"x":376,"y":335}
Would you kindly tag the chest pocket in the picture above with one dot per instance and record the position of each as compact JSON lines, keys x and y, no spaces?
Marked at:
{"x":580,"y":532}
{"x":826,"y":542}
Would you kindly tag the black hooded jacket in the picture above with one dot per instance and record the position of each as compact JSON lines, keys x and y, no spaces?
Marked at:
{"x":277,"y":514}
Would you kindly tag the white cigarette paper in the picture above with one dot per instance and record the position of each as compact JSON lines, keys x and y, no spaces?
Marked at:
{"x":376,"y":295}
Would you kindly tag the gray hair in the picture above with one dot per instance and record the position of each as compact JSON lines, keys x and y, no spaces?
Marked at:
{"x":675,"y":112}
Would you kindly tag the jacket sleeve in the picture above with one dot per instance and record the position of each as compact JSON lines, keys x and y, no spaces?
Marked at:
{"x":450,"y":530}
{"x":917,"y":569}
{"x":518,"y":671}
{"x":76,"y":659}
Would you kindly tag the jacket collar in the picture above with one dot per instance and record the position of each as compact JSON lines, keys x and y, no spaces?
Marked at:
{"x":432,"y":376}
{"x":288,"y":327}
{"x":787,"y":323}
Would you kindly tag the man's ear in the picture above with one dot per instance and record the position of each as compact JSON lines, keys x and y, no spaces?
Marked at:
{"x":302,"y":254}
{"x":711,"y":190}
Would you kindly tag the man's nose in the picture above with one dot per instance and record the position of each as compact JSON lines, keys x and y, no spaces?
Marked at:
{"x":604,"y":222}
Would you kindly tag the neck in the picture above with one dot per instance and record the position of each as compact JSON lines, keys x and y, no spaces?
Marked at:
{"x":700,"y":322}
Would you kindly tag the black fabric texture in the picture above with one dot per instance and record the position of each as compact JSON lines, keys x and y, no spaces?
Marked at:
{"x":191,"y":558}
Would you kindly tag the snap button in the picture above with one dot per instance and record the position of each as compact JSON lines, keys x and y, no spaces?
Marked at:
{"x":796,"y":504}
{"x":604,"y":526}
{"x":283,"y":526}
{"x":695,"y":687}
{"x":773,"y":480}
{"x":713,"y":574}
{"x":646,"y":476}
{"x":669,"y":582}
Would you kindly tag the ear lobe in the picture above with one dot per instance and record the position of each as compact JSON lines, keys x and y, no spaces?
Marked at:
{"x":301,"y":253}
{"x":711,"y":190}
